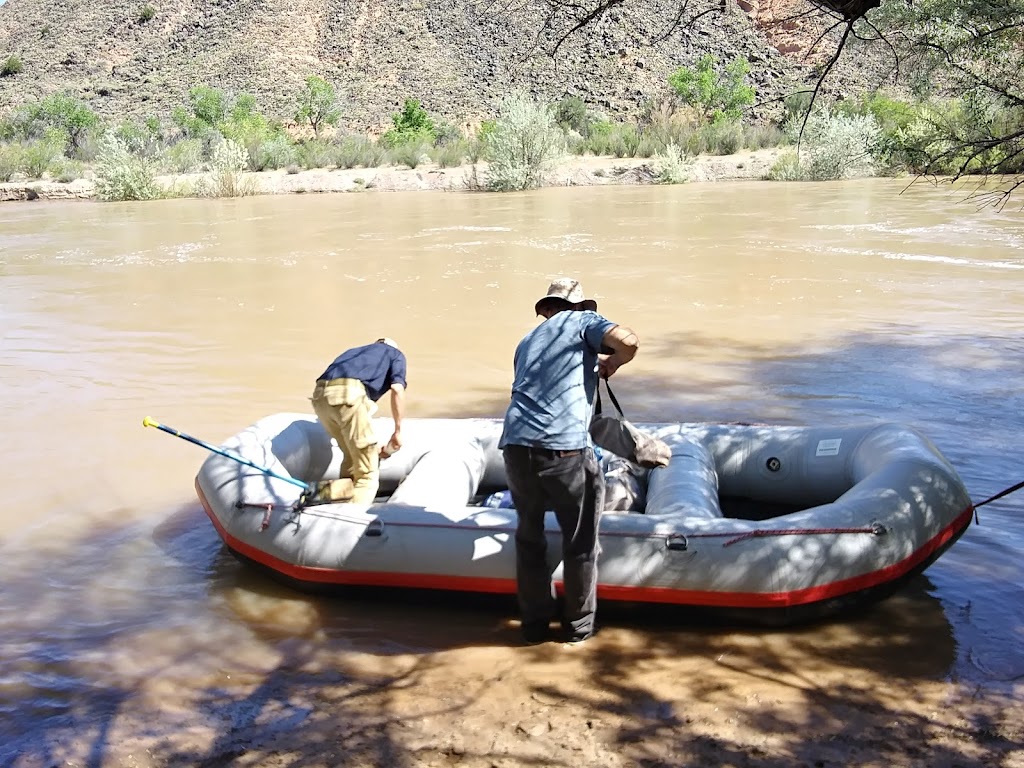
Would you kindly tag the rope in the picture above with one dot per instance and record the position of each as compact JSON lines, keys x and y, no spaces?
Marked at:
{"x":1000,"y":495}
{"x":733,"y":536}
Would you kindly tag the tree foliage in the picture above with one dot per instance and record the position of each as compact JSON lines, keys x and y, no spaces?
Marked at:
{"x":65,"y":113}
{"x":318,"y":105}
{"x":717,"y":94}
{"x":412,"y":125}
{"x":969,"y":51}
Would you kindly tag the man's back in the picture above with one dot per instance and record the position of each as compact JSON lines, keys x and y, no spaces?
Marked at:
{"x":376,"y":365}
{"x":555,"y":381}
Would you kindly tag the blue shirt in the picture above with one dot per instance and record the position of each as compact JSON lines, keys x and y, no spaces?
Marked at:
{"x":555,"y":381}
{"x":377,"y":365}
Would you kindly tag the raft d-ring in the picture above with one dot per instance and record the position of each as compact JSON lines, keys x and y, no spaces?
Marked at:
{"x":375,"y":528}
{"x":878,"y":529}
{"x":676,"y":542}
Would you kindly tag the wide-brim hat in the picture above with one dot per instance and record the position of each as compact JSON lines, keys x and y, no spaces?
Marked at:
{"x":567,"y":289}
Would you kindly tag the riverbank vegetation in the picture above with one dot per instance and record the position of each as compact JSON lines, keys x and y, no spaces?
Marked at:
{"x":210,"y":142}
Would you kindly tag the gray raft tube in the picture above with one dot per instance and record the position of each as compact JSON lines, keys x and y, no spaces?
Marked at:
{"x":737,"y":471}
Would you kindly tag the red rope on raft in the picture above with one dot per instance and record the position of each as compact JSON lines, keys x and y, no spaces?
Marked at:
{"x":733,"y":536}
{"x":788,"y":532}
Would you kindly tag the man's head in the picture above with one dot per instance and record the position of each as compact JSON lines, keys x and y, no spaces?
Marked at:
{"x":389,"y":341}
{"x":564,"y":293}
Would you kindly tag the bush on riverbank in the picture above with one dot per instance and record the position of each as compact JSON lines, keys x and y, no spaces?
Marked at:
{"x":60,"y":137}
{"x":831,"y":146}
{"x":524,"y":146}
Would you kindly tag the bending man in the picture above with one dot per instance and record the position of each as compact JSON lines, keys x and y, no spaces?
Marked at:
{"x":344,"y":400}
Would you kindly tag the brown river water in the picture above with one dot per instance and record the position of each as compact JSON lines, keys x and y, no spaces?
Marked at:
{"x":130,"y":637}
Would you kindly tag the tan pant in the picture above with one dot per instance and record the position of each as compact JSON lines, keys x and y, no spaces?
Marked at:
{"x":345,"y":412}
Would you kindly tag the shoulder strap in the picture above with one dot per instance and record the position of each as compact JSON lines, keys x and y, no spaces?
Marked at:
{"x":611,"y":395}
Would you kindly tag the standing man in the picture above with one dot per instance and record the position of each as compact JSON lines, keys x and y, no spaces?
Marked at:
{"x":549,"y":459}
{"x":344,"y":400}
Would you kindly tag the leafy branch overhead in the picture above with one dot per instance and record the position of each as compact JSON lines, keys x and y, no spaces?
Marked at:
{"x":962,"y":59}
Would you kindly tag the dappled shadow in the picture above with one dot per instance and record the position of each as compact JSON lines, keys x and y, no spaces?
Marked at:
{"x":159,"y":640}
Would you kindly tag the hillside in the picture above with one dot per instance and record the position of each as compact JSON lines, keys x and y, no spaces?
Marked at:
{"x":459,"y":57}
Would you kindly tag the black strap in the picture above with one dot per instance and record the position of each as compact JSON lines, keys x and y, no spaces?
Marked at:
{"x":611,"y":395}
{"x":1000,"y":495}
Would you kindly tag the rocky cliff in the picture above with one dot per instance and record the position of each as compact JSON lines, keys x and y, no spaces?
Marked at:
{"x":459,"y":57}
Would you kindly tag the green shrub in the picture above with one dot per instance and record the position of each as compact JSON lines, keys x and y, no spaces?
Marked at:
{"x":763,"y":136}
{"x":833,"y":146}
{"x":411,"y":126}
{"x":716,"y":95}
{"x":245,"y":125}
{"x":599,"y":140}
{"x":61,"y":112}
{"x":351,"y":151}
{"x":410,"y":153}
{"x":447,"y":133}
{"x":787,"y":168}
{"x":39,"y":155}
{"x":11,"y":161}
{"x":376,"y":155}
{"x":724,"y":137}
{"x":65,"y":171}
{"x":11,"y":67}
{"x":624,"y":141}
{"x":138,"y":138}
{"x":664,"y":125}
{"x":276,"y":152}
{"x":122,"y":175}
{"x":525,"y":146}
{"x":646,"y":147}
{"x":207,"y":110}
{"x":673,"y":167}
{"x":185,"y":156}
{"x":146,"y":14}
{"x":478,"y":144}
{"x":226,"y":177}
{"x":315,"y":154}
{"x":450,"y":155}
{"x":571,"y":113}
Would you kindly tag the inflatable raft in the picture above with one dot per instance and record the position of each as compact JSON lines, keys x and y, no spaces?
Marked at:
{"x":776,"y":522}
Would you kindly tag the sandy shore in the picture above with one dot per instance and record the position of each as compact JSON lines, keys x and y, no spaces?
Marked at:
{"x":575,"y":171}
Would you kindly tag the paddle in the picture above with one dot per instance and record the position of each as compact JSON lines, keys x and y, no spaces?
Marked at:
{"x":148,"y":422}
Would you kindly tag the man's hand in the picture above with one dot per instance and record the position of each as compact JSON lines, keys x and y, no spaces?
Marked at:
{"x":397,"y":407}
{"x":606,"y":366}
{"x":623,"y":343}
{"x":392,"y":446}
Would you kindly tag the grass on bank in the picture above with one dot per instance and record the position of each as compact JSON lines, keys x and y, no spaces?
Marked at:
{"x":220,"y":137}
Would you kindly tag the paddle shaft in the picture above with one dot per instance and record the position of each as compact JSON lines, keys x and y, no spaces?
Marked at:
{"x":148,"y":422}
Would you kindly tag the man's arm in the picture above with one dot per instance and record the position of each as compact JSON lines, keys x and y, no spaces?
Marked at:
{"x":397,"y":405}
{"x":623,"y":344}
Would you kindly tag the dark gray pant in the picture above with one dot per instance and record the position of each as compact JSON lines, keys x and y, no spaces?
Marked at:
{"x":570,"y":484}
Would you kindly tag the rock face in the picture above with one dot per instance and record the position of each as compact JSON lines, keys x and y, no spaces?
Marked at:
{"x":459,"y":57}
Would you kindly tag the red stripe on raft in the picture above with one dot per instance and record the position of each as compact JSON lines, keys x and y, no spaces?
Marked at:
{"x":604,"y":591}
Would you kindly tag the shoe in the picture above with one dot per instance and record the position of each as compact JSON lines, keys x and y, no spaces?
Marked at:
{"x":321,"y":493}
{"x":536,"y":632}
{"x":575,"y":636}
{"x":330,"y":491}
